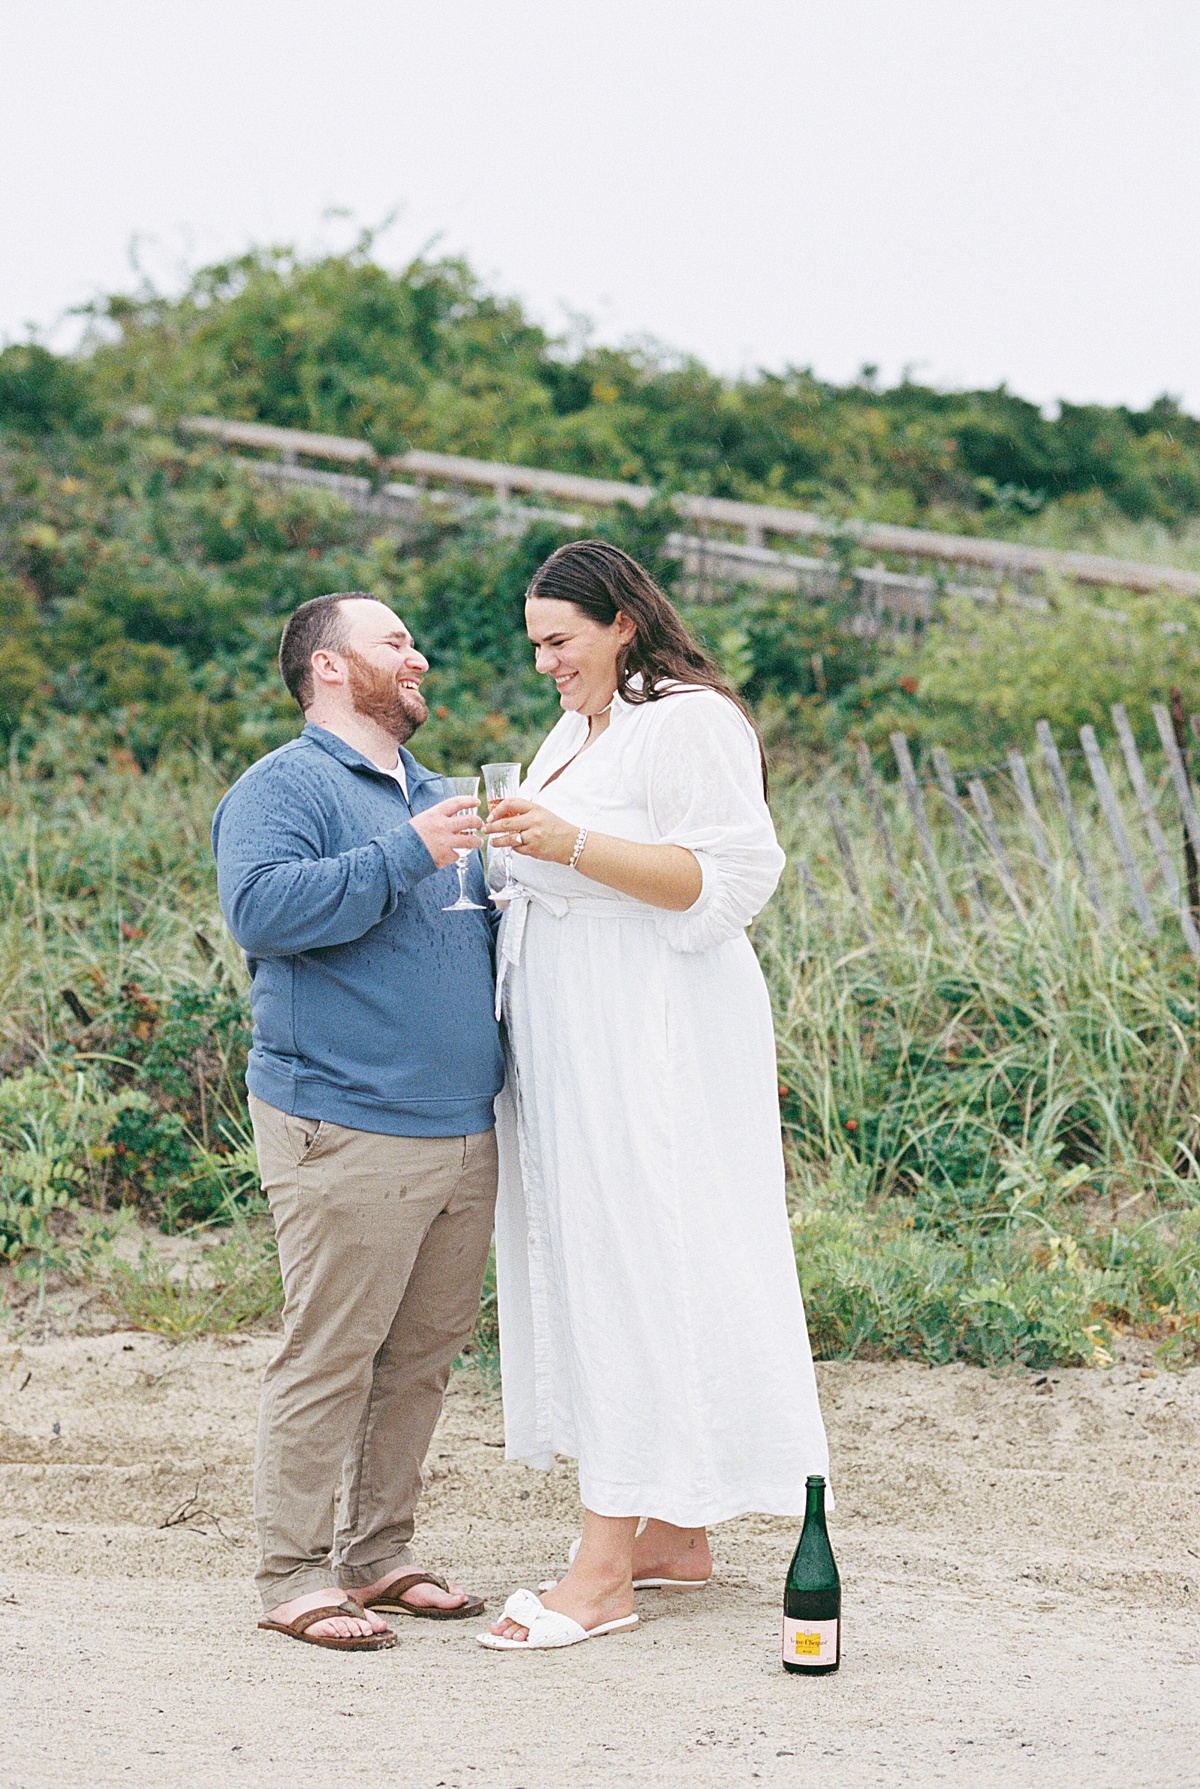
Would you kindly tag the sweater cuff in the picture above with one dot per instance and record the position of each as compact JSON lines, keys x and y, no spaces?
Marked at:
{"x":407,"y":857}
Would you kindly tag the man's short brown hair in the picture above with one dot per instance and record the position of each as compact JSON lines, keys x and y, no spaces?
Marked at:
{"x":316,"y":626}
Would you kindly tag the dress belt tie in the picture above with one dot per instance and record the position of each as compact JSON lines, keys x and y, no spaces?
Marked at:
{"x":516,"y":913}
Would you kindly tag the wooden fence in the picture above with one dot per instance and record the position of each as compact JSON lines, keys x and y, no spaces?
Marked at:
{"x":1032,"y":863}
{"x":990,"y":865}
{"x":898,"y":596}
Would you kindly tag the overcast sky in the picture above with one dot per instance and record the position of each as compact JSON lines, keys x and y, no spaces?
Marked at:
{"x":978,"y":189}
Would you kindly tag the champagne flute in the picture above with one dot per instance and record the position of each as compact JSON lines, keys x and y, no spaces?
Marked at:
{"x":463,"y":785}
{"x":501,"y":780}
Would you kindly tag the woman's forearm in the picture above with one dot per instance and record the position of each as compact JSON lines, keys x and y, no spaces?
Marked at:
{"x":665,"y":876}
{"x":661,"y":875}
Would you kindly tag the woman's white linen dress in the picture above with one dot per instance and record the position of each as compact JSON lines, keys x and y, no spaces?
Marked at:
{"x":651,"y":1323}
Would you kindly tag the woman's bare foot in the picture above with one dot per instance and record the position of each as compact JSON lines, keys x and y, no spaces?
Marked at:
{"x":586,"y":1598}
{"x":664,"y":1551}
{"x":421,"y":1596}
{"x":599,"y":1586}
{"x":338,"y":1627}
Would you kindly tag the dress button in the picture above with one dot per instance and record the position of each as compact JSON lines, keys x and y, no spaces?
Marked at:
{"x":532,"y":1240}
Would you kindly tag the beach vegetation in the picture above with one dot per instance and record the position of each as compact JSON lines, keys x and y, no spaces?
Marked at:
{"x":992,"y":1129}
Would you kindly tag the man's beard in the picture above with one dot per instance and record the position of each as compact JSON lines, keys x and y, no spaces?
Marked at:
{"x":378,"y":697}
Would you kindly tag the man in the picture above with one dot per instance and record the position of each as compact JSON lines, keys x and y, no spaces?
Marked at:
{"x":374,"y":1065}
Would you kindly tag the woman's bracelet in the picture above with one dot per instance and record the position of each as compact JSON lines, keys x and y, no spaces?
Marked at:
{"x":580,"y":842}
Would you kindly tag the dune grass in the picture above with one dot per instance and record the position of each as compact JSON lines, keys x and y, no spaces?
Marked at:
{"x":234,"y":1285}
{"x":992,"y":1123}
{"x":992,"y":1129}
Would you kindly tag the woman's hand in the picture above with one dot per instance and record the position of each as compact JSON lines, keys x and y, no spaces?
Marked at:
{"x":529,"y":830}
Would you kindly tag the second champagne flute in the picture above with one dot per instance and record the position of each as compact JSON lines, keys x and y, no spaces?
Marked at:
{"x":463,"y":785}
{"x":500,"y":780}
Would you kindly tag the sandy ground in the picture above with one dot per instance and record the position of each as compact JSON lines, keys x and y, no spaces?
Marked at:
{"x":1020,"y":1558}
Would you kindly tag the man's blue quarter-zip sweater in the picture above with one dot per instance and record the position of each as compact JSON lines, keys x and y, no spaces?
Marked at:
{"x":372,"y":1008}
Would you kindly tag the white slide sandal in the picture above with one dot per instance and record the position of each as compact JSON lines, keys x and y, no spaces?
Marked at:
{"x":547,"y":1628}
{"x":638,"y":1583}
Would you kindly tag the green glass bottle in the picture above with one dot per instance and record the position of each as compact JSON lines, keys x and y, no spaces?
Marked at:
{"x":812,"y":1596}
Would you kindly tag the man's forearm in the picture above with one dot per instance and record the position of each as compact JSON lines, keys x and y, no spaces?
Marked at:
{"x":279,"y":909}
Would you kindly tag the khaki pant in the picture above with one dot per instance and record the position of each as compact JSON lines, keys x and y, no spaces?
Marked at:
{"x":383,"y":1243}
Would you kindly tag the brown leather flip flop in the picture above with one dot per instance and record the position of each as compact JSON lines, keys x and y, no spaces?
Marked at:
{"x":298,"y":1630}
{"x":389,"y":1602}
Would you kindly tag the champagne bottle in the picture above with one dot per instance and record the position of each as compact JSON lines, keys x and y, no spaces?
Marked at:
{"x":812,"y":1596}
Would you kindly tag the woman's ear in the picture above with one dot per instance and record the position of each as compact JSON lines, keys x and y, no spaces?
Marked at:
{"x":626,"y":628}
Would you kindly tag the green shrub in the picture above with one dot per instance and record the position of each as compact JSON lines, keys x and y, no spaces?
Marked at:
{"x":189,"y":1046}
{"x":988,"y":676}
{"x":876,"y":1289}
{"x":42,"y":391}
{"x":55,"y":1158}
{"x":426,"y":356}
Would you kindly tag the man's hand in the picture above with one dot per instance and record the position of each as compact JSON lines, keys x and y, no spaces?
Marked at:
{"x":452,"y":822}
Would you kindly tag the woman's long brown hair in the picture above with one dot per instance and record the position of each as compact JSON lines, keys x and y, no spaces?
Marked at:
{"x":603,"y":582}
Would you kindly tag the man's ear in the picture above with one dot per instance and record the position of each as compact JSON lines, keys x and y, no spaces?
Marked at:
{"x":327,"y":667}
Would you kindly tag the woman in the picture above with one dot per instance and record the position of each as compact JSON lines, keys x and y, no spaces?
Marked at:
{"x":650,"y":1319}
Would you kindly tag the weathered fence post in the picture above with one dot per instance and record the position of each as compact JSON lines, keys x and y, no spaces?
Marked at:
{"x":1183,"y":795}
{"x":1191,"y":846}
{"x":987,"y":820}
{"x":838,"y":822}
{"x":962,"y":826}
{"x":912,"y":791}
{"x":1141,"y":790}
{"x":882,"y":830}
{"x":1033,"y":820}
{"x":1112,"y":814}
{"x":811,"y":890}
{"x":1058,"y":778}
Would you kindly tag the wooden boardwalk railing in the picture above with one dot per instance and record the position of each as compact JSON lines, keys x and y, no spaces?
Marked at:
{"x":711,"y":561}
